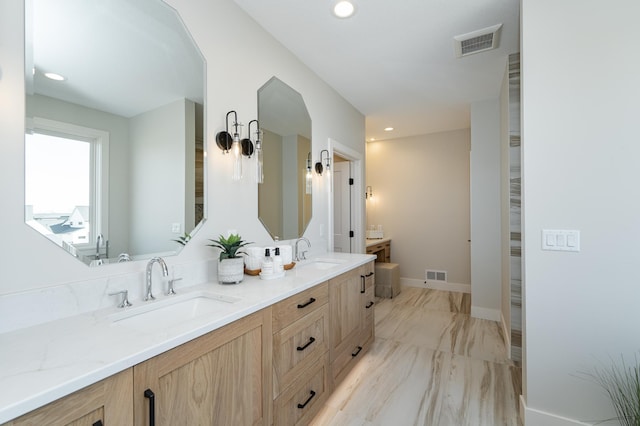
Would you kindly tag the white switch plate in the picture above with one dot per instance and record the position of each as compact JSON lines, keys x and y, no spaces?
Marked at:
{"x":175,"y":228}
{"x":560,"y":240}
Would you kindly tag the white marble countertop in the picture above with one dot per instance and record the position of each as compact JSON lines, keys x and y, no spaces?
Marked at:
{"x":43,"y":363}
{"x":374,"y":241}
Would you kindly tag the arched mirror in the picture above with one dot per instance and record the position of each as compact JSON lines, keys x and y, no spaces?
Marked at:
{"x":284,"y":198}
{"x":115,"y":135}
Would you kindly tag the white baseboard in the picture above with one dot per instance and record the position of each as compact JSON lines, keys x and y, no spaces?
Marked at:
{"x":486,"y":313}
{"x":436,"y":285}
{"x":533,"y":417}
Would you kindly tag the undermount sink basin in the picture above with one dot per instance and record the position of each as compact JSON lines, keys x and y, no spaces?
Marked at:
{"x":172,"y":310}
{"x":321,"y":263}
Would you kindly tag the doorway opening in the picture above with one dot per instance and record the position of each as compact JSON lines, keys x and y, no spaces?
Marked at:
{"x":342,"y":205}
{"x":346,"y":200}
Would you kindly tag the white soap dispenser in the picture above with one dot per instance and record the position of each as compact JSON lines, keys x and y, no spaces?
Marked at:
{"x":278,"y":267}
{"x":267,"y":264}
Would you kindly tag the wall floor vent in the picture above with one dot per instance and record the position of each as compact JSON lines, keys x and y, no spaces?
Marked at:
{"x":433,"y":275}
{"x":477,"y":41}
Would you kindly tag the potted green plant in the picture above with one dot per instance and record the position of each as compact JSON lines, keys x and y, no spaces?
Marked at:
{"x":621,"y":382}
{"x":230,"y":263}
{"x":183,"y":239}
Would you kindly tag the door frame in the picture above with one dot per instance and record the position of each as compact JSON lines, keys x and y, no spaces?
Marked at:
{"x":357,"y":193}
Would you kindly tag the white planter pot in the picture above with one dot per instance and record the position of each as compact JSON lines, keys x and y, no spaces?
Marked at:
{"x":230,"y":271}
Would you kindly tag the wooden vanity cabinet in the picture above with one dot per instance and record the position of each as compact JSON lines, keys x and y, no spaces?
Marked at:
{"x":221,"y":378}
{"x":351,"y":322}
{"x":276,"y":366}
{"x":300,"y":356}
{"x":381,"y":250}
{"x":106,"y":403}
{"x":368,"y":301}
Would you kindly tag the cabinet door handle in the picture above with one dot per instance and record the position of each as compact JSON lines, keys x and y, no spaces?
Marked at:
{"x":369,"y":274}
{"x":304,"y":305}
{"x":311,"y":395}
{"x":357,"y":352}
{"x":152,"y":406}
{"x":302,"y":348}
{"x":370,"y":304}
{"x":362,"y":280}
{"x":98,"y":423}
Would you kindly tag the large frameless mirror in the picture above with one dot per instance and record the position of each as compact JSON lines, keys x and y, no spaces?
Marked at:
{"x":284,"y":198}
{"x":115,"y":137}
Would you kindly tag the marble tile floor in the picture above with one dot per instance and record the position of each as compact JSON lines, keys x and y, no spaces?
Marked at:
{"x":432,"y":364}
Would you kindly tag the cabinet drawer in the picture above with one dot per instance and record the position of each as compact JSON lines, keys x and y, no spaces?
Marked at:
{"x":347,"y":358}
{"x":368,"y":275}
{"x":295,"y":307}
{"x":298,"y":345}
{"x":301,"y":401}
{"x":369,"y":305}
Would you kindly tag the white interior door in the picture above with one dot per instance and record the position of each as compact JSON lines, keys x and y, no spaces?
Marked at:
{"x":341,"y":207}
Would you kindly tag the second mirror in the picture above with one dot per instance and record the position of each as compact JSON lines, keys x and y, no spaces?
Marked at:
{"x":284,"y":198}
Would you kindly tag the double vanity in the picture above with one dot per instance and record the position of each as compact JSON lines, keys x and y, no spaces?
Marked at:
{"x":259,"y":352}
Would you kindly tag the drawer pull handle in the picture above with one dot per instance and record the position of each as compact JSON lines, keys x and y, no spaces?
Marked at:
{"x":311,"y":395}
{"x":302,"y":348}
{"x":369,"y":305}
{"x":362,"y":282}
{"x":304,"y":305}
{"x":369,"y":274}
{"x":152,"y":406}
{"x":355,"y":354}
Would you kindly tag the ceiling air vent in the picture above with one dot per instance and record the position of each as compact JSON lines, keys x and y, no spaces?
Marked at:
{"x":477,"y":41}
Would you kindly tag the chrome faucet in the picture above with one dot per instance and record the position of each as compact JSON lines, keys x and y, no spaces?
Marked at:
{"x":301,"y":255}
{"x":99,"y":241}
{"x":165,"y":273}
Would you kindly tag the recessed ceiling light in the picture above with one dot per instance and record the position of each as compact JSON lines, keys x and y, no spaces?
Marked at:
{"x":344,"y":9}
{"x":388,"y":129}
{"x":54,"y":76}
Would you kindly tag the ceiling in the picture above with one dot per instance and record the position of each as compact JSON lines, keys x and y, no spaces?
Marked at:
{"x":395,"y":60}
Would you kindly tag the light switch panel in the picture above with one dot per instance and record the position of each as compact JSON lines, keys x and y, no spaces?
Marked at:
{"x":560,"y":240}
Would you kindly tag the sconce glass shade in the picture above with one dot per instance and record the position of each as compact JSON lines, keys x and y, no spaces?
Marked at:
{"x":259,"y":162}
{"x":309,"y":182}
{"x":236,"y":150}
{"x":309,"y":176}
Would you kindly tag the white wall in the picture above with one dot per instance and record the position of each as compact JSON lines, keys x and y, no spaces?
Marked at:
{"x":486,"y":270}
{"x":226,"y":36}
{"x":421,"y":198}
{"x":580,"y":91}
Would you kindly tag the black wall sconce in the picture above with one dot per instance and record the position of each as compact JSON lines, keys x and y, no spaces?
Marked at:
{"x":227,"y":143}
{"x":224,"y":140}
{"x":326,"y":160}
{"x":246,"y":143}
